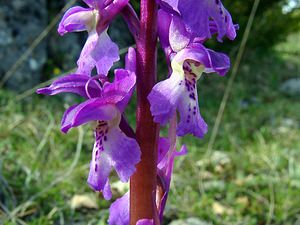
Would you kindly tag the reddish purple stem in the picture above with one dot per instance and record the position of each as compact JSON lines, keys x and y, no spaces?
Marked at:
{"x":143,"y":182}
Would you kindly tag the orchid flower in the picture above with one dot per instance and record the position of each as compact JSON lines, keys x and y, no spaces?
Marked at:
{"x":99,"y":50}
{"x":179,"y":91}
{"x":201,"y":18}
{"x":105,"y":104}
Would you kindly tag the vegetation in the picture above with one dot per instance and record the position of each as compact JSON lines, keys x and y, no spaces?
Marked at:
{"x":251,"y":176}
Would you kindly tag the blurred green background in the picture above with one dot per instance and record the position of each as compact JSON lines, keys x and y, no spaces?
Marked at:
{"x":249,"y":174}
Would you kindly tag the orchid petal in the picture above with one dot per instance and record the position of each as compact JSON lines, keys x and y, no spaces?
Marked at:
{"x":130,"y":60}
{"x":76,"y":19}
{"x":163,"y":28}
{"x":179,"y":38}
{"x":123,"y":86}
{"x":211,"y":60}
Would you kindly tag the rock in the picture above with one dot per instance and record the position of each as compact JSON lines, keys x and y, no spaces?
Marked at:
{"x":83,"y":201}
{"x":190,"y":221}
{"x":287,"y":124}
{"x":220,"y":158}
{"x":291,"y":87}
{"x":220,"y":209}
{"x":120,"y":187}
{"x":243,"y":201}
{"x":20,"y":23}
{"x":63,"y":51}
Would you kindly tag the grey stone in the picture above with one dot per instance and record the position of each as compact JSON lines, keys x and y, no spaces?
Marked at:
{"x":21,"y":22}
{"x":64,"y":51}
{"x":291,"y":87}
{"x":190,"y":221}
{"x":5,"y":38}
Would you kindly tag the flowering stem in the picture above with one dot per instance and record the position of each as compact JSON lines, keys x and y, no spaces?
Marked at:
{"x":143,"y":182}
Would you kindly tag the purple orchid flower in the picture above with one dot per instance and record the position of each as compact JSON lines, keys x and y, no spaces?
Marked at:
{"x":105,"y":104}
{"x":201,"y":18}
{"x":119,"y":210}
{"x":99,"y":50}
{"x":179,"y":92}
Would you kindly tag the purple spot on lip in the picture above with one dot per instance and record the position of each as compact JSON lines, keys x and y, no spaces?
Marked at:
{"x":192,"y":96}
{"x":96,"y":168}
{"x":105,"y":138}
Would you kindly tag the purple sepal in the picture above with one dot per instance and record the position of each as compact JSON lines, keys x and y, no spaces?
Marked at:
{"x":197,"y":14}
{"x":163,"y":28}
{"x":73,"y":83}
{"x":178,"y":36}
{"x":76,"y":19}
{"x":130,"y":60}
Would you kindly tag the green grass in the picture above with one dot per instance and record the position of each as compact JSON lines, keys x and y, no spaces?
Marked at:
{"x":252,"y":175}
